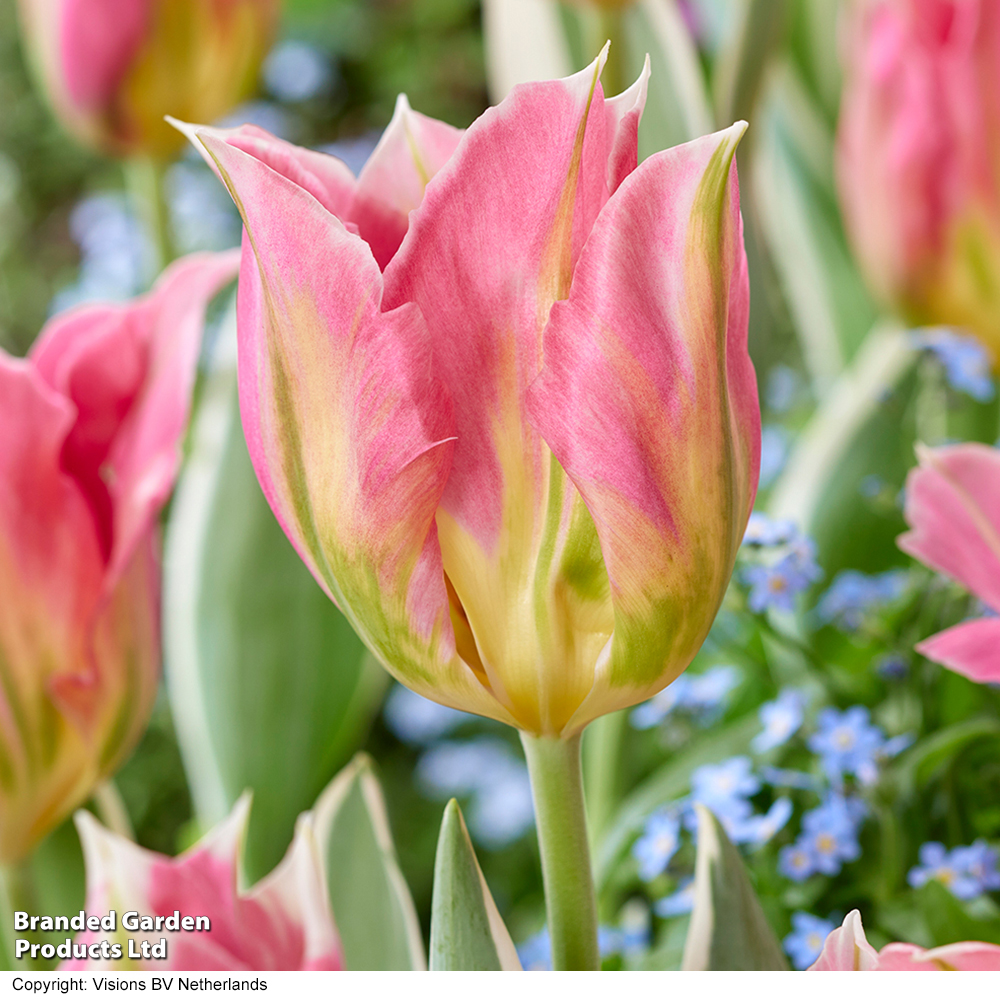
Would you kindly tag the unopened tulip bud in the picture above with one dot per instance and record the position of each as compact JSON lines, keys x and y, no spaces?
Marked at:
{"x":90,"y":430}
{"x":113,"y":68}
{"x":918,"y":158}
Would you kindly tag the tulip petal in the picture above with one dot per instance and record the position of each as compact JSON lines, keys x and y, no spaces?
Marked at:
{"x":412,"y":150}
{"x":900,"y":957}
{"x":491,"y":247}
{"x":648,"y":400}
{"x":624,"y":113}
{"x":971,"y":649}
{"x":847,"y":949}
{"x":124,"y":448}
{"x":297,"y":889}
{"x":283,"y":923}
{"x":50,"y":579}
{"x":953,"y":507}
{"x":349,"y":432}
{"x":71,"y":354}
{"x":964,"y":956}
{"x":97,"y":43}
{"x":328,"y":179}
{"x":146,"y":454}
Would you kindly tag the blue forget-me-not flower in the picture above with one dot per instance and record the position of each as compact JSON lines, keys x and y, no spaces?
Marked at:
{"x":806,"y":941}
{"x":781,"y":718}
{"x":966,"y":362}
{"x":967,"y":872}
{"x":659,"y":842}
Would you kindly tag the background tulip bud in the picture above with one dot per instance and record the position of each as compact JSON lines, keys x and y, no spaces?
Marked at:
{"x":113,"y":68}
{"x":918,"y":157}
{"x":91,"y":425}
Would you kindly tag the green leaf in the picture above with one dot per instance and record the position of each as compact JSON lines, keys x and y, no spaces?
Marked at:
{"x":369,"y":897}
{"x":792,"y":185}
{"x":467,"y":932}
{"x":677,"y":105}
{"x":269,"y":686}
{"x":949,"y":922}
{"x":814,"y":24}
{"x":668,"y":782}
{"x":916,"y":767}
{"x":728,"y":929}
{"x":515,"y":55}
{"x":740,"y":66}
{"x":860,"y":429}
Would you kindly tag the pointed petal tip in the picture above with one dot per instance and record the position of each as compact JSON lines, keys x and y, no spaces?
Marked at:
{"x":87,"y":824}
{"x":188,"y":129}
{"x":736,"y":131}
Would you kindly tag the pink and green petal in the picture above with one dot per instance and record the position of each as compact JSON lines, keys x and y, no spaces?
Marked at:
{"x":624,"y":113}
{"x":489,"y":250}
{"x":648,"y":400}
{"x":98,"y":42}
{"x":71,"y":354}
{"x":953,"y":509}
{"x":296,"y":891}
{"x":964,"y":956}
{"x":109,"y":702}
{"x":328,"y":179}
{"x":145,"y":455}
{"x":847,"y":949}
{"x":283,"y":923}
{"x":349,"y":431}
{"x":124,"y":446}
{"x":51,"y":572}
{"x":412,"y":150}
{"x":971,"y":649}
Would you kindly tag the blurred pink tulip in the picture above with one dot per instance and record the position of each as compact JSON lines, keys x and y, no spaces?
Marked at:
{"x":90,"y":444}
{"x":953,"y":507}
{"x":918,"y":157}
{"x":520,"y":450}
{"x":847,"y":950}
{"x":113,"y":68}
{"x":283,"y":923}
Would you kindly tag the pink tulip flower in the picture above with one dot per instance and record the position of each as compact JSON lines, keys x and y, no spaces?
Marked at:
{"x":113,"y":68}
{"x":283,"y":923}
{"x":953,"y":507}
{"x":519,"y":446}
{"x":847,"y":950}
{"x":91,"y":428}
{"x":918,"y":157}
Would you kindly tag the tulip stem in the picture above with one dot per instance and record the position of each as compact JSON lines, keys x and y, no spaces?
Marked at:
{"x":561,"y":819}
{"x":144,"y":178}
{"x":17,"y":892}
{"x":111,"y":809}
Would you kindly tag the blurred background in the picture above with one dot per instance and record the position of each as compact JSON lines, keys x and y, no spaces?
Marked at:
{"x":807,"y":712}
